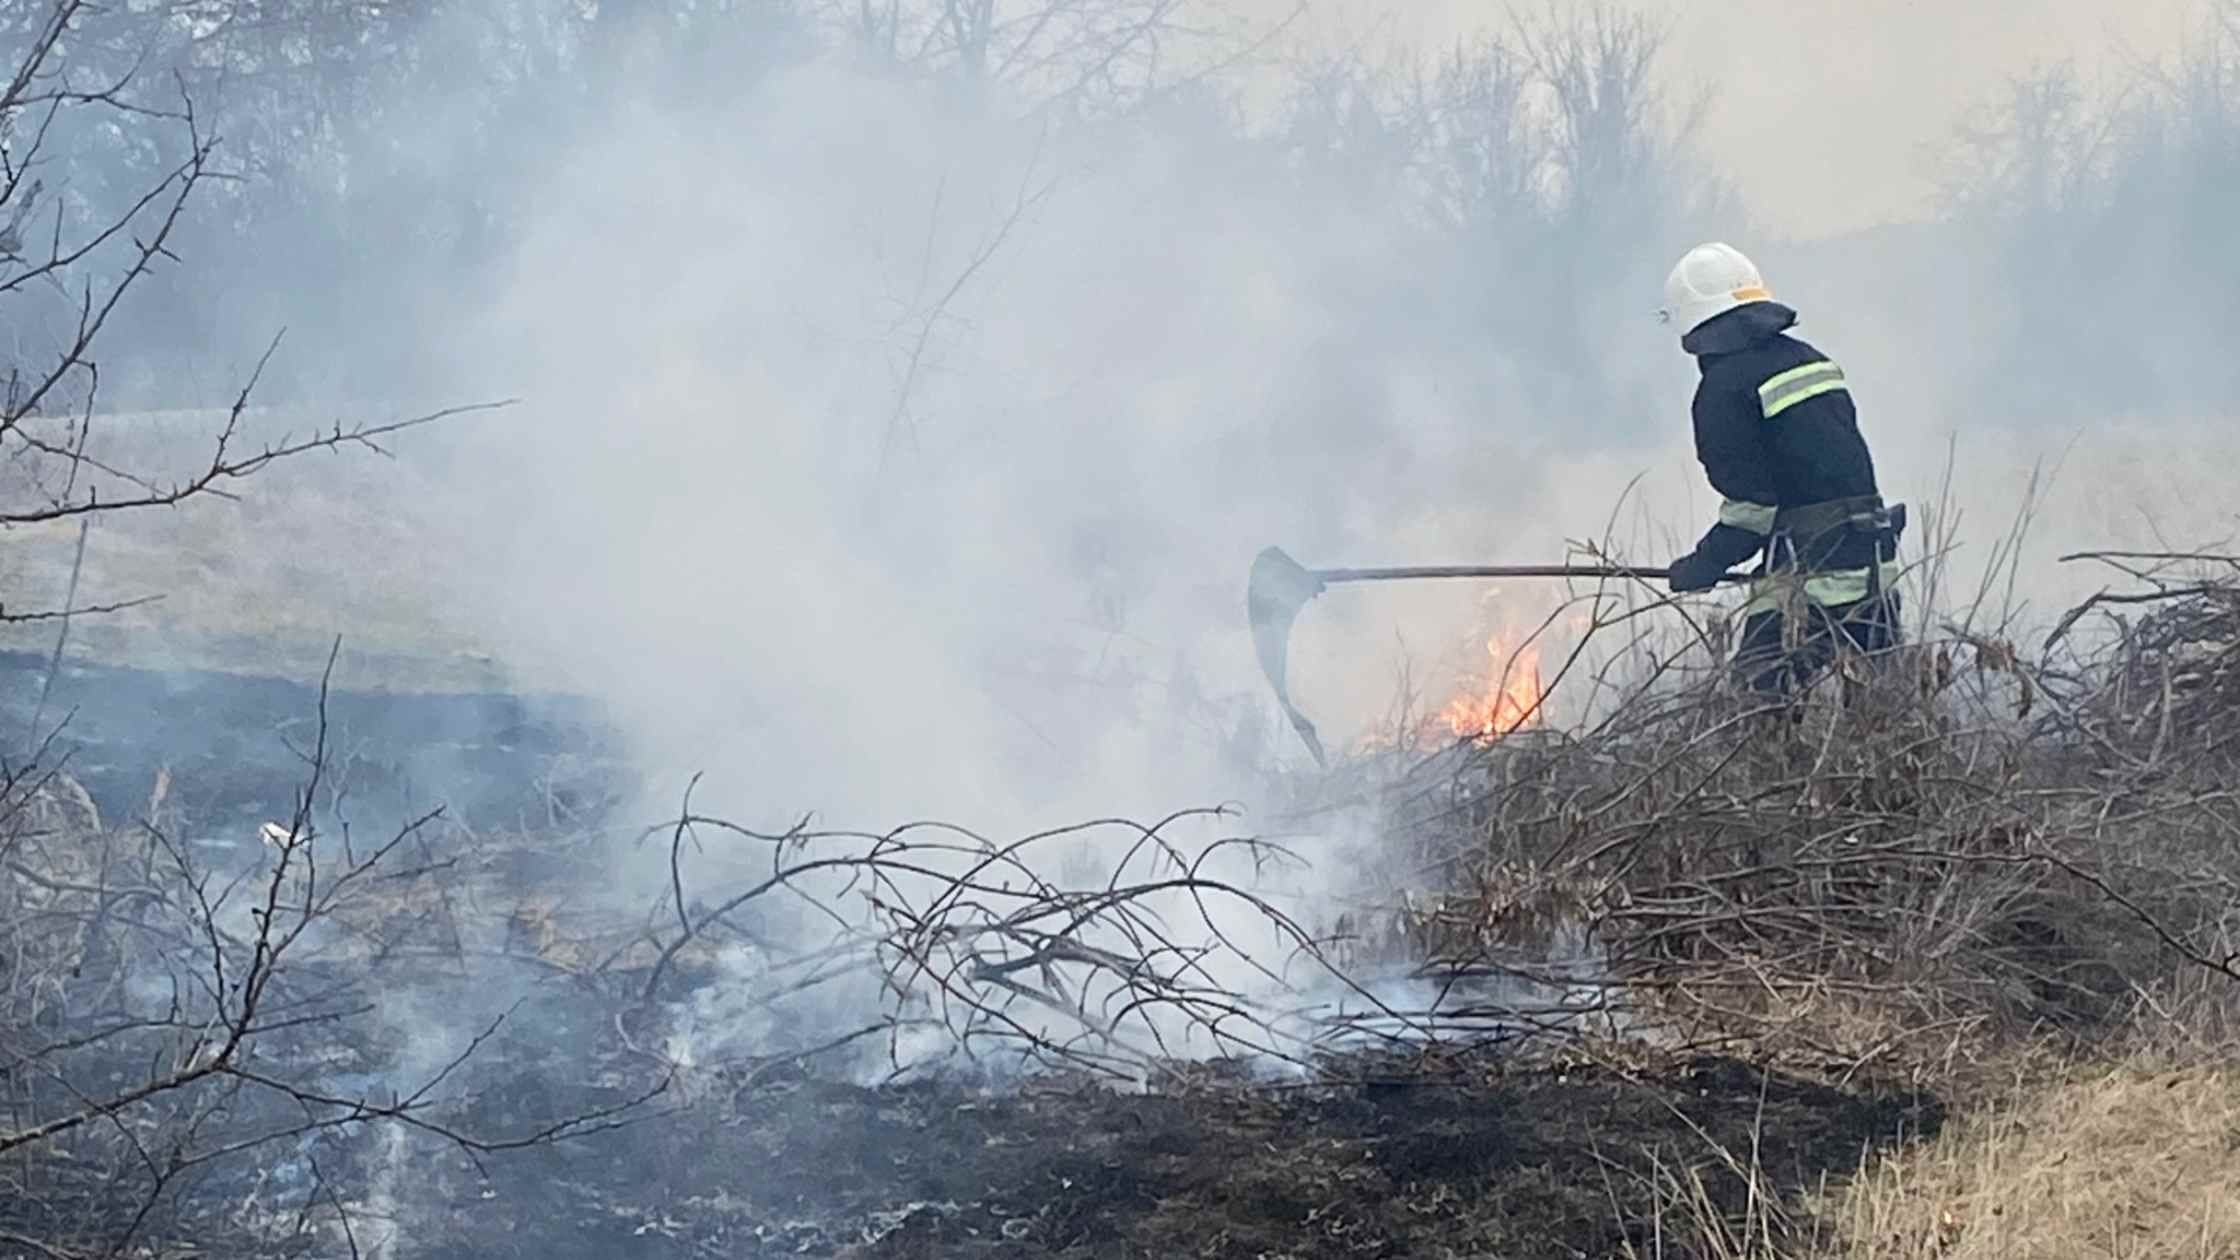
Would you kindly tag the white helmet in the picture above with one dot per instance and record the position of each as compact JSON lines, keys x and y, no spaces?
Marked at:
{"x":1707,"y":282}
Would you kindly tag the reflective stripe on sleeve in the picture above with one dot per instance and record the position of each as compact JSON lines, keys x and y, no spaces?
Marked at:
{"x":1789,"y":388}
{"x":1743,"y":514}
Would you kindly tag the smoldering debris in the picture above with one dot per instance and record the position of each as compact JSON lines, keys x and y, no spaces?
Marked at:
{"x":334,"y":1032}
{"x":1392,"y":1157}
{"x":837,"y":484}
{"x":926,"y":1040}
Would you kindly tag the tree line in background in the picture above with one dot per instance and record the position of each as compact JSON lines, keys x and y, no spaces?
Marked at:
{"x":2099,"y":214}
{"x":362,"y":161}
{"x":352,"y":171}
{"x":177,"y":180}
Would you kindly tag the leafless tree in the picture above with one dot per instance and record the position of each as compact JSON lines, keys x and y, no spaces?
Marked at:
{"x":67,"y":277}
{"x":2037,"y":150}
{"x":153,"y":1023}
{"x":1075,"y":57}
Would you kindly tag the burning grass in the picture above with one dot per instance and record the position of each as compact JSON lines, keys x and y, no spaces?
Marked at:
{"x":1964,"y":847}
{"x":1506,"y":698}
{"x":1936,"y":869}
{"x":1148,"y":1057}
{"x":1654,"y":973}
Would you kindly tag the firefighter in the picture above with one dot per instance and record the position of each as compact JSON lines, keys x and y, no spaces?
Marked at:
{"x":1779,"y":441}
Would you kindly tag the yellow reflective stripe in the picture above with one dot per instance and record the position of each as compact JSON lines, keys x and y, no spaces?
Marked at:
{"x":1789,"y":388}
{"x":1743,"y":514}
{"x":1791,"y":400}
{"x":1764,"y":598}
{"x":1844,"y":586}
{"x":1832,"y":589}
{"x":1775,"y":383}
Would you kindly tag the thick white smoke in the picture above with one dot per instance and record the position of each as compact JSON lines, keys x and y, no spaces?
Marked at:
{"x":885,"y":456}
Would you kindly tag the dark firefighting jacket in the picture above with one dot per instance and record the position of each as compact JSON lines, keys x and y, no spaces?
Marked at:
{"x":1778,"y":438}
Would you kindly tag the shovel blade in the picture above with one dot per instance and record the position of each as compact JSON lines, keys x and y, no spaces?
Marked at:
{"x":1278,"y":588}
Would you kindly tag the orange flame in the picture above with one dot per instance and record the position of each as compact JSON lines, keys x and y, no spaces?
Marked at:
{"x":1484,"y":708}
{"x":1507,"y":698}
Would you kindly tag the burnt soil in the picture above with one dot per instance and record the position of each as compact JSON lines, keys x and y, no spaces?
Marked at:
{"x":231,"y":744}
{"x":1474,"y":1155}
{"x":1468,"y":1159}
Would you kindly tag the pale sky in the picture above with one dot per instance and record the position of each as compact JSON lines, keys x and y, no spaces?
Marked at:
{"x":1824,"y":110}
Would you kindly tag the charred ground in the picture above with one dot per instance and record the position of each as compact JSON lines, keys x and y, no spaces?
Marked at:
{"x":1813,"y":933}
{"x":1459,"y":1156}
{"x":232,"y":744}
{"x":1503,"y":1149}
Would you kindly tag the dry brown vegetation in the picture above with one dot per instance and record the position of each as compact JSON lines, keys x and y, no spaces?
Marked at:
{"x":2003,"y":869}
{"x":1721,"y":980}
{"x":1703,"y":959}
{"x":2133,"y":1159}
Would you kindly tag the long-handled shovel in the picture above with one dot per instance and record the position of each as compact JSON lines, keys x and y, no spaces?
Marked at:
{"x":1280,"y":586}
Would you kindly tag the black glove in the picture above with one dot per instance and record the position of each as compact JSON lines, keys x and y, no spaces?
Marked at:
{"x":1691,"y":573}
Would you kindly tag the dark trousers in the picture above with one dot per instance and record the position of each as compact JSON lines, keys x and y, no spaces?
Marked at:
{"x":1768,"y":666}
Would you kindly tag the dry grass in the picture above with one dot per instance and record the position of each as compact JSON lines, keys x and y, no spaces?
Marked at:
{"x":2006,"y":856}
{"x":2131,"y":1160}
{"x":1998,"y":834}
{"x":2129,"y":1157}
{"x":260,"y":581}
